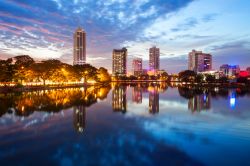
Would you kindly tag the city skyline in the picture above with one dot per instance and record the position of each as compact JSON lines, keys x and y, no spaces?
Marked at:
{"x":173,"y":26}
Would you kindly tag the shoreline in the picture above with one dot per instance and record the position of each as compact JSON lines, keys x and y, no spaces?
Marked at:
{"x":8,"y":89}
{"x":27,"y":88}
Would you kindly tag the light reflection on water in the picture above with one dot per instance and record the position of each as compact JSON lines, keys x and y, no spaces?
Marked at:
{"x":136,"y":124}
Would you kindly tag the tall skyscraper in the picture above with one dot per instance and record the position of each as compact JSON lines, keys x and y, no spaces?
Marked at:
{"x":199,"y":62}
{"x":79,"y":47}
{"x":154,"y":59}
{"x":119,"y":66}
{"x":137,"y":66}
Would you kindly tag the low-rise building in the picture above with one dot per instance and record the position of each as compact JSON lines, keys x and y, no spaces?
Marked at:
{"x":230,"y":71}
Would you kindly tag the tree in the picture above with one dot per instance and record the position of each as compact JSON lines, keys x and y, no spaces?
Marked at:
{"x":103,"y":75}
{"x":210,"y":78}
{"x":164,"y":76}
{"x":187,"y":76}
{"x":199,"y":78}
{"x":87,"y":72}
{"x":223,"y":79}
{"x":46,"y":70}
{"x":6,"y":70}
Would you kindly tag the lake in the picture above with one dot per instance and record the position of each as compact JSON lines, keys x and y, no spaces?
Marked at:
{"x":126,"y":124}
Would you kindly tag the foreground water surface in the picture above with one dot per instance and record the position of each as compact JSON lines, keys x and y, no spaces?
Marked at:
{"x":136,"y":124}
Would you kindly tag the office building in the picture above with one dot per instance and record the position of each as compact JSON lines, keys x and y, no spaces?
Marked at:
{"x":154,"y":59}
{"x":137,"y":66}
{"x":119,"y":65}
{"x":79,"y":47}
{"x":248,"y":70}
{"x":199,"y":62}
{"x":230,"y":70}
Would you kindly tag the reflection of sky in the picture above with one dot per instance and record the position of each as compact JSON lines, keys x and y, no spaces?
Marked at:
{"x":174,"y":135}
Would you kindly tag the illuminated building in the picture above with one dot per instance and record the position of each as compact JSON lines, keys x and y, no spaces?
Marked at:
{"x":119,"y":62}
{"x":137,"y":66}
{"x":248,"y":70}
{"x":230,"y":70}
{"x":153,"y":101}
{"x":79,"y":118}
{"x":79,"y":47}
{"x":119,"y":99}
{"x":199,"y":62}
{"x":154,"y":59}
{"x":137,"y":95}
{"x":200,"y":102}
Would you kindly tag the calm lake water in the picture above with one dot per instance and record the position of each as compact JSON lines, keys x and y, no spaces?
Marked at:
{"x":137,"y":124}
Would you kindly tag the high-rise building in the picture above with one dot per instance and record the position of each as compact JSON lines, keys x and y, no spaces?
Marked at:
{"x":230,"y":70}
{"x":137,"y":66}
{"x":79,"y":47}
{"x":199,"y":62}
{"x":154,"y":59}
{"x":79,"y":116}
{"x":119,"y":66}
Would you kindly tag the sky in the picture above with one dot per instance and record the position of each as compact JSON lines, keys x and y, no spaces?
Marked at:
{"x":44,"y":29}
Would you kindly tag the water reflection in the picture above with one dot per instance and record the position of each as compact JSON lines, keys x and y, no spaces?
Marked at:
{"x":119,"y":99}
{"x":153,"y":100}
{"x":140,"y":124}
{"x":144,"y":94}
{"x":79,"y":118}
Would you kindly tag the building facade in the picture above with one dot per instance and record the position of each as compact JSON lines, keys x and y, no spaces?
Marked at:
{"x":230,"y":70}
{"x":248,"y":70}
{"x":119,"y":65}
{"x":199,"y":62}
{"x":79,"y":50}
{"x":154,"y":59}
{"x":137,"y":66}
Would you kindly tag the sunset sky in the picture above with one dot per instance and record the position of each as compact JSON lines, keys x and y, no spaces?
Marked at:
{"x":44,"y":29}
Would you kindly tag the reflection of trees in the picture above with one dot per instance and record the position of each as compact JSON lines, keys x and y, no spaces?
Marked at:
{"x":51,"y":100}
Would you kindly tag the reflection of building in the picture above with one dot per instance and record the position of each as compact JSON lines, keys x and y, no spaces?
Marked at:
{"x":79,"y":118}
{"x":119,"y":99}
{"x":199,"y":62}
{"x":154,"y":59}
{"x":119,"y":61}
{"x":230,"y":70}
{"x":200,"y":102}
{"x":153,"y":101}
{"x":137,"y":66}
{"x":79,"y":47}
{"x":137,"y":95}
